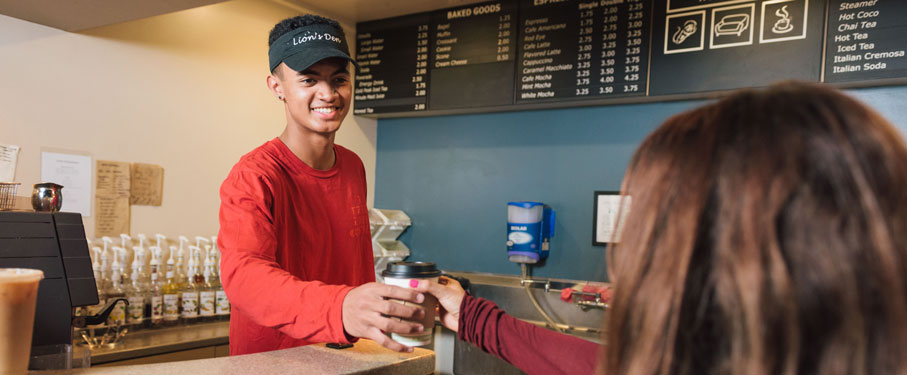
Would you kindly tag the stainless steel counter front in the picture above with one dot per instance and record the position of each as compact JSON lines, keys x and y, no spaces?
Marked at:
{"x":149,"y":342}
{"x":509,"y":294}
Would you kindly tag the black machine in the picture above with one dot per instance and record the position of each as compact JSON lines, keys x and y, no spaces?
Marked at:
{"x":53,"y":243}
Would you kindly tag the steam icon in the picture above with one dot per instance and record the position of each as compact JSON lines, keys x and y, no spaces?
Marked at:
{"x":783,"y":25}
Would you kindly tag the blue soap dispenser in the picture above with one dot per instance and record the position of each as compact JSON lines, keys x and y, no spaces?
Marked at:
{"x":530,"y":225}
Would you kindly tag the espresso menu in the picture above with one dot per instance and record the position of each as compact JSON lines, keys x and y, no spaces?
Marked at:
{"x":393,"y":65}
{"x":572,"y":50}
{"x":540,"y":53}
{"x":866,"y":40}
{"x":472,"y":53}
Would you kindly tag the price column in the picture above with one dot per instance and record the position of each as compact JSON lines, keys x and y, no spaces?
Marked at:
{"x":623,"y":62}
{"x":420,"y":76}
{"x":608,"y":56}
{"x":584,"y":51}
{"x":504,"y":37}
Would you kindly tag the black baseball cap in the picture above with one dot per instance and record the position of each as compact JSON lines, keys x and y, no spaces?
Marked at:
{"x":304,"y":46}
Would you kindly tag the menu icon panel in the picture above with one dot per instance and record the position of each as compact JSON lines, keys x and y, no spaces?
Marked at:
{"x":734,"y":53}
{"x":685,"y":5}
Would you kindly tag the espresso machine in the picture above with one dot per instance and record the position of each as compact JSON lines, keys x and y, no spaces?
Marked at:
{"x":54,"y":243}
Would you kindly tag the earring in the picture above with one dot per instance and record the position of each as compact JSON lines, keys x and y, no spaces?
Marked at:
{"x":279,"y":97}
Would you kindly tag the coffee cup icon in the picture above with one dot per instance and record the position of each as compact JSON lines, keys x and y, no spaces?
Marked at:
{"x":782,"y":25}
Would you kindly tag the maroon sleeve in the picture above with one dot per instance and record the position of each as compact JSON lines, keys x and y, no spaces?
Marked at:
{"x":533,"y":349}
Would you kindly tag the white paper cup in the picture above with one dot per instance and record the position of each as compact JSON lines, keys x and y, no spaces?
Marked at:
{"x":400,"y":274}
{"x":18,"y":295}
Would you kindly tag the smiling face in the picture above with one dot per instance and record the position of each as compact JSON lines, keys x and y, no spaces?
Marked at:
{"x":318,"y":98}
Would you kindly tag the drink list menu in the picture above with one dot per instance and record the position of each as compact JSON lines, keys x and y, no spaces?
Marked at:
{"x":573,"y":50}
{"x":866,"y":40}
{"x":393,"y":65}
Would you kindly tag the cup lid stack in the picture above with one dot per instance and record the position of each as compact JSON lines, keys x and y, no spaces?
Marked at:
{"x":386,"y":227}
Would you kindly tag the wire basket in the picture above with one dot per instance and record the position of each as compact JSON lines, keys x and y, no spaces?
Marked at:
{"x":8,"y":195}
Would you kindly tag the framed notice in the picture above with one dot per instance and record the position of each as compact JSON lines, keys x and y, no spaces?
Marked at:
{"x":609,"y":206}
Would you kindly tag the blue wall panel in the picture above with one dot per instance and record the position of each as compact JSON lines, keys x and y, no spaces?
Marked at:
{"x":453,"y":175}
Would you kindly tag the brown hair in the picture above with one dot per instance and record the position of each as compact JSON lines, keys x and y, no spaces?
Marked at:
{"x":767,"y":235}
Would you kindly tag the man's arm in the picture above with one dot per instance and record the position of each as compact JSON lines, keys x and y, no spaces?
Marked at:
{"x":272,"y":297}
{"x":252,"y":278}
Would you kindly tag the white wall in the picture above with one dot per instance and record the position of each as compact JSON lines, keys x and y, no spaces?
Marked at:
{"x":184,"y":90}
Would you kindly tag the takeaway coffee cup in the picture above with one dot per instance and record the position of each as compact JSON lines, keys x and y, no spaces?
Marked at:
{"x":400,"y":274}
{"x":18,"y":295}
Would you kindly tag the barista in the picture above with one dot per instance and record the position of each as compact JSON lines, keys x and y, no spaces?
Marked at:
{"x":297,"y":260}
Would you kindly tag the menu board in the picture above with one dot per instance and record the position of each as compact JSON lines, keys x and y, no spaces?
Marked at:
{"x":572,"y":50}
{"x":708,"y":45}
{"x":393,"y":62}
{"x":524,"y":54}
{"x":472,"y":53}
{"x":866,"y":40}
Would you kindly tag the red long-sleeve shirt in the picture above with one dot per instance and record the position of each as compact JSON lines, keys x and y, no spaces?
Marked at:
{"x":530,"y":348}
{"x":294,"y":240}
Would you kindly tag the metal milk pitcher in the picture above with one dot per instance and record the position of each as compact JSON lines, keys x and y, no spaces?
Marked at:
{"x":47,"y":197}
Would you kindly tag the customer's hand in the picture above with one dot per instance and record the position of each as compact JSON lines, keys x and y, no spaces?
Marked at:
{"x":367,"y":311}
{"x":450,"y":295}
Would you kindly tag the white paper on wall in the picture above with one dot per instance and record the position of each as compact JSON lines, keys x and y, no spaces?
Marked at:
{"x":74,"y":173}
{"x":608,"y":228}
{"x":9,"y":155}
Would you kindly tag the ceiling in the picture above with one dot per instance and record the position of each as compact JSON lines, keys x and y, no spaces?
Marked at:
{"x":78,"y":15}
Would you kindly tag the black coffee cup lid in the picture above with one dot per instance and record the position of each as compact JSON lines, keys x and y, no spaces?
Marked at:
{"x":415,"y":270}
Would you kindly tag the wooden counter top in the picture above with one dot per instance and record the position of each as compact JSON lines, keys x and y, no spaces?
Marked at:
{"x":366,"y":357}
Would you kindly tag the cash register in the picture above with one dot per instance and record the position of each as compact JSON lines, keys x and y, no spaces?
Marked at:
{"x":54,"y":243}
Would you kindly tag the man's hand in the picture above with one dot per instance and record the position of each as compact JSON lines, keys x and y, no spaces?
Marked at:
{"x":450,"y":296}
{"x":367,"y":312}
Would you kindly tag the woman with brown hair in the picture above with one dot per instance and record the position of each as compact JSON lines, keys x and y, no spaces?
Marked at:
{"x":767,"y":235}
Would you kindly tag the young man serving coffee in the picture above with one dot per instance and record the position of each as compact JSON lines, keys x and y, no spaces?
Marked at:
{"x":297,"y":262}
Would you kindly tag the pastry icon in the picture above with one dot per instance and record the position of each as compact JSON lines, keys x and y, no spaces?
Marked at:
{"x":733,"y":24}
